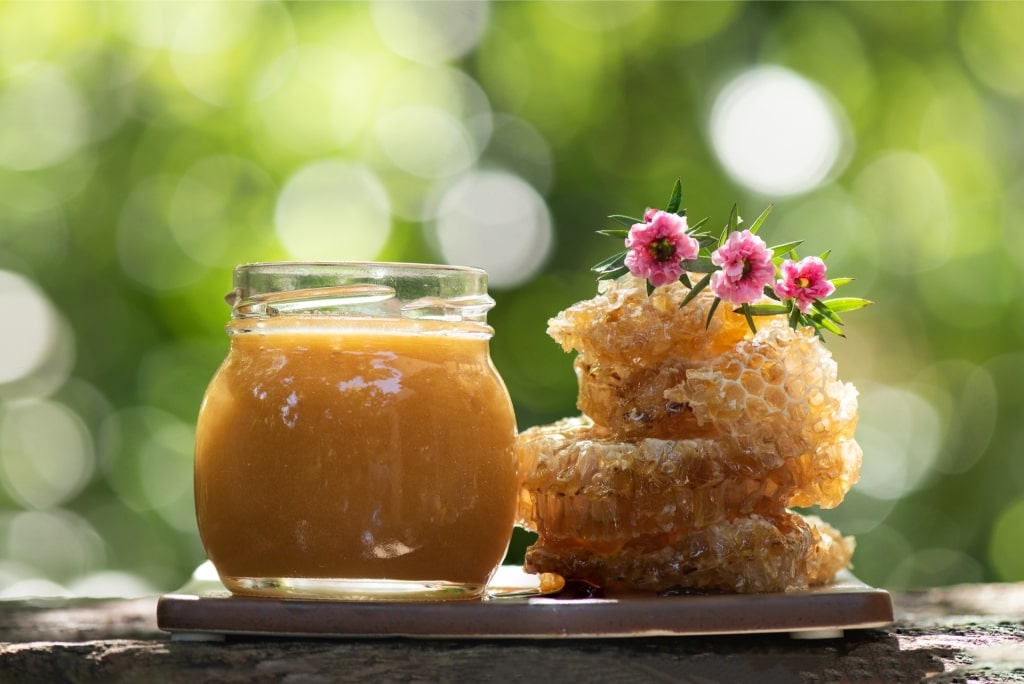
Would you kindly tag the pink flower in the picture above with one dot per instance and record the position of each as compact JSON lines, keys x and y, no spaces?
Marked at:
{"x":804,"y":281}
{"x":657,"y":246}
{"x":747,"y":267}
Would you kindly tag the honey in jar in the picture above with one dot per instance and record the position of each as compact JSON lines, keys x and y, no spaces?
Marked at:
{"x":357,"y":442}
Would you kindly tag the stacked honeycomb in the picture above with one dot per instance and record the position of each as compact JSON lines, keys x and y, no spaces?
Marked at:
{"x":693,"y":445}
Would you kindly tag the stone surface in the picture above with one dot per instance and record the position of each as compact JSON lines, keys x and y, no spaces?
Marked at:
{"x":958,"y":634}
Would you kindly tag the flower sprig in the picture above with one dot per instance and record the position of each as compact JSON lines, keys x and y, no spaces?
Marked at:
{"x":737,"y":265}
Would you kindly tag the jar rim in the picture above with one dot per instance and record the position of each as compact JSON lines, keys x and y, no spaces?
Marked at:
{"x":379,"y":266}
{"x":368,"y":288}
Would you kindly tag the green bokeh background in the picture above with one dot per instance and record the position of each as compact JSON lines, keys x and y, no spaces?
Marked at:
{"x":145,"y":147}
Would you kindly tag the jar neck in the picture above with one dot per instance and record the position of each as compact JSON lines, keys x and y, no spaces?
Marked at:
{"x":294,"y":324}
{"x":452,"y":294}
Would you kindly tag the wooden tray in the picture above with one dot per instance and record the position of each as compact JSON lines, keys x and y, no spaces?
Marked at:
{"x":203,"y":609}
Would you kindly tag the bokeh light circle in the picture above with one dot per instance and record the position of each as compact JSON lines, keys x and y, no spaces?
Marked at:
{"x":425,"y":141}
{"x":967,"y":400}
{"x":221,"y":210}
{"x":147,"y":248}
{"x":990,"y":43}
{"x":776,"y":132}
{"x":431,"y":124}
{"x":165,"y":473}
{"x":333,"y":210}
{"x":46,"y":453}
{"x":495,"y":221}
{"x":934,"y":567}
{"x":900,"y":433}
{"x":111,"y":584}
{"x":1006,"y":543}
{"x":215,"y":57}
{"x":430,"y":32}
{"x":45,"y":118}
{"x":907,"y":204}
{"x":35,"y":587}
{"x":57,"y":544}
{"x":155,"y":24}
{"x":520,"y":148}
{"x":30,"y":327}
{"x":339,"y":85}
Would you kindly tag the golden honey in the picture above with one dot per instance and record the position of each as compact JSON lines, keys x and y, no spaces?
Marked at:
{"x":357,"y":456}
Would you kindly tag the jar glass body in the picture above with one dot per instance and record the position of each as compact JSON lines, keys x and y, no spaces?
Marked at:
{"x":357,"y":442}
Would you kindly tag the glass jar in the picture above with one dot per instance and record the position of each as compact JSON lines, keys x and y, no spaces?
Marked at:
{"x":357,"y":442}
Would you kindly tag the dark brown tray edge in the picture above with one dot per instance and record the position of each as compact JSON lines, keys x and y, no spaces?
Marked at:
{"x":842,"y":607}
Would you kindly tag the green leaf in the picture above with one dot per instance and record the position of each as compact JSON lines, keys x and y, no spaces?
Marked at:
{"x":842,"y":281}
{"x":696,"y":226}
{"x":614,"y":262}
{"x":750,"y":319}
{"x":695,"y":290}
{"x":734,"y":218}
{"x":677,"y":197}
{"x":760,"y":219}
{"x":779,"y":250}
{"x":701,"y":264}
{"x":627,"y":221}
{"x":711,"y":312}
{"x":650,"y":288}
{"x":825,"y":254}
{"x":828,"y":313}
{"x":767,"y":309}
{"x":840,"y":304}
{"x":795,"y":317}
{"x":706,"y":242}
{"x":685,"y":280}
{"x":614,"y":232}
{"x":822,"y":322}
{"x":611,"y":275}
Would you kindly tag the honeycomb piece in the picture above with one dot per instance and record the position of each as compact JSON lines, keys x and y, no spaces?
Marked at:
{"x":699,"y":440}
{"x":631,"y":400}
{"x":577,"y":482}
{"x":775,"y":393}
{"x":778,"y":392}
{"x":623,"y":326}
{"x":753,"y":554}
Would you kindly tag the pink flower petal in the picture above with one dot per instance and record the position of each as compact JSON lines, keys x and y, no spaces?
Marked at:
{"x":657,"y":246}
{"x":804,"y":282}
{"x":746,"y":268}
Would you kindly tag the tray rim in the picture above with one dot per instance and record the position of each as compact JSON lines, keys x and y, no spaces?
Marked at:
{"x":824,"y":611}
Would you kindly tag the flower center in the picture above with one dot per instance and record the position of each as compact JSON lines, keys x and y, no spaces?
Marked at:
{"x":662,"y":250}
{"x":802,"y":282}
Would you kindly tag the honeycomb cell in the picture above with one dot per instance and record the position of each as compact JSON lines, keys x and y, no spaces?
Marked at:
{"x":775,"y":397}
{"x":753,"y":383}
